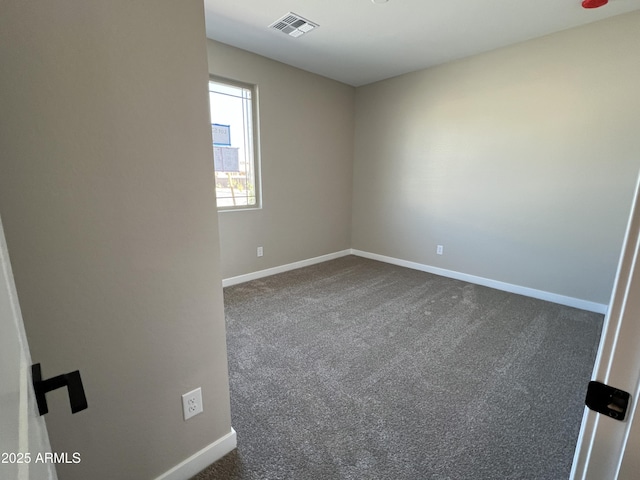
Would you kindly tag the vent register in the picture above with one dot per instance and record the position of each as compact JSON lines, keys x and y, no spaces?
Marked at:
{"x":293,"y":25}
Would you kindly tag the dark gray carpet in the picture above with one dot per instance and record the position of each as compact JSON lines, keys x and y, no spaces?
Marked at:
{"x":356,"y":369}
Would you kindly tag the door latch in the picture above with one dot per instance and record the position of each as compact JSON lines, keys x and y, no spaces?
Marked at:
{"x":607,"y":400}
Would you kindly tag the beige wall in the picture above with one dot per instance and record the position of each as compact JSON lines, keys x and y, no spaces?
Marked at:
{"x":106,"y":198}
{"x":521,"y":162}
{"x":306,"y":130}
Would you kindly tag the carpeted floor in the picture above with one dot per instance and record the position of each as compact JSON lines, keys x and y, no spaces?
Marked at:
{"x":356,"y":369}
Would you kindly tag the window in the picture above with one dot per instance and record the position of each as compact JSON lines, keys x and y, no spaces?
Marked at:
{"x":235,"y":153}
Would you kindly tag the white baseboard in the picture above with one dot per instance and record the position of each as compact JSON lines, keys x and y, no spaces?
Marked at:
{"x":202,"y":459}
{"x":487,"y":282}
{"x":507,"y":287}
{"x":227,"y":282}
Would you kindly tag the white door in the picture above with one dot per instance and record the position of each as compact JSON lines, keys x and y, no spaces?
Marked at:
{"x":23,"y":434}
{"x":605,"y":446}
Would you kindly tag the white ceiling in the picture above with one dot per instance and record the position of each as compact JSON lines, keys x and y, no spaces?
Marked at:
{"x":359,"y":42}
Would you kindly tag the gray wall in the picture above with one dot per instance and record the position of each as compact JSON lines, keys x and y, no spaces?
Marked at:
{"x":521,"y":162}
{"x":306,"y":130}
{"x":107,"y":201}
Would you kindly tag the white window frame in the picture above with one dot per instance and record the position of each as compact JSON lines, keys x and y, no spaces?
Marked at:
{"x":254,"y":140}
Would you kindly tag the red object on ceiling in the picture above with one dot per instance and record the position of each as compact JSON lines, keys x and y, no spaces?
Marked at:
{"x":594,"y":3}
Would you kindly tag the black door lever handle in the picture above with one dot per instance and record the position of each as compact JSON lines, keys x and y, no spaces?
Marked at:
{"x":72,"y":381}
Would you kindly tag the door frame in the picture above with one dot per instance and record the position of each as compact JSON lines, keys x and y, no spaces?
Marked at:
{"x":31,"y":436}
{"x":602,"y":441}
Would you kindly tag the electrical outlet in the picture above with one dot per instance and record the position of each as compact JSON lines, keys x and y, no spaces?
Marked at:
{"x":260,"y":251}
{"x":439,"y":249}
{"x":192,"y":403}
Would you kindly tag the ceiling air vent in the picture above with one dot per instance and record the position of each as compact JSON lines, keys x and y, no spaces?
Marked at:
{"x":293,"y":25}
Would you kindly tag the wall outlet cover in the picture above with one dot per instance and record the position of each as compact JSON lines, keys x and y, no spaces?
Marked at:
{"x":192,"y":403}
